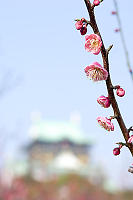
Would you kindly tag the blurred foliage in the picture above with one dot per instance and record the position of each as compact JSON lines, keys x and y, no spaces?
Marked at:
{"x":66,"y":187}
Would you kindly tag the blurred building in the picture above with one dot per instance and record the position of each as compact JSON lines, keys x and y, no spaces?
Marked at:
{"x":57,"y":147}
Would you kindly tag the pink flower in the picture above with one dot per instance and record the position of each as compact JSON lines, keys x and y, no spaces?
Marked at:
{"x":79,"y":25}
{"x":96,"y":72}
{"x":116,"y":151}
{"x":104,"y":101}
{"x":120,"y":92}
{"x":105,"y":123}
{"x":96,"y":2}
{"x":130,"y":140}
{"x":93,"y":43}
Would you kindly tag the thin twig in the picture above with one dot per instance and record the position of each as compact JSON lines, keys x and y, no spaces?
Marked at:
{"x":122,"y":143}
{"x":123,"y":39}
{"x":110,"y":47}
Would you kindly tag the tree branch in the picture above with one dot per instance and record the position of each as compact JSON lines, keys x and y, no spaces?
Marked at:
{"x":104,"y":53}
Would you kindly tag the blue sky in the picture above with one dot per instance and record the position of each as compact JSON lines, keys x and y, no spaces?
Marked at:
{"x":40,"y":46}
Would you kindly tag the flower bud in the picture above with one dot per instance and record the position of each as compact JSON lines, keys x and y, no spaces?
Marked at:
{"x":83,"y":30}
{"x":104,"y":101}
{"x":116,"y":151}
{"x":117,"y":30}
{"x":120,"y":92}
{"x":130,"y":70}
{"x":113,"y":12}
{"x":96,"y":2}
{"x":79,"y":25}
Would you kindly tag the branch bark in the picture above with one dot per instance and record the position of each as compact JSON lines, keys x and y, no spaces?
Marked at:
{"x":109,"y":85}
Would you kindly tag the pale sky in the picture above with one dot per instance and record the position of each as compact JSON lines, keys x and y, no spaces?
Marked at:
{"x":40,"y":46}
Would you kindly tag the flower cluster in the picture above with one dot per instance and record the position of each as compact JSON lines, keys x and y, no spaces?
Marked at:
{"x":82,"y":26}
{"x":96,"y":72}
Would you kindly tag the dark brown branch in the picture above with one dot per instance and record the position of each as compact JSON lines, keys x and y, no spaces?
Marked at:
{"x":104,"y":53}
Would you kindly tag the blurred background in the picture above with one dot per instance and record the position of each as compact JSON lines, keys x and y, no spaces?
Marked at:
{"x":51,"y":146}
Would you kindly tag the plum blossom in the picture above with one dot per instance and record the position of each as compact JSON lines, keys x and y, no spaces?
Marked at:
{"x":96,"y":72}
{"x":104,"y":101}
{"x":105,"y":123}
{"x":93,"y":43}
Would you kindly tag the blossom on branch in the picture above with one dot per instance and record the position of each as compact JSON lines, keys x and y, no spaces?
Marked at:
{"x":96,"y":2}
{"x":116,"y":151}
{"x":104,"y":101}
{"x":81,"y":25}
{"x":120,"y":92}
{"x":93,"y":43}
{"x":96,"y":72}
{"x":105,"y":123}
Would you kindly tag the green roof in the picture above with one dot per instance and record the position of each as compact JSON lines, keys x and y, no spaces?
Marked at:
{"x":54,"y":131}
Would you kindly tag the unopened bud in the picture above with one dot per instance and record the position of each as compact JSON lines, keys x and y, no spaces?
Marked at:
{"x":113,"y":12}
{"x":117,"y":30}
{"x":116,"y":151}
{"x":120,"y":92}
{"x":83,"y":30}
{"x":96,"y":2}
